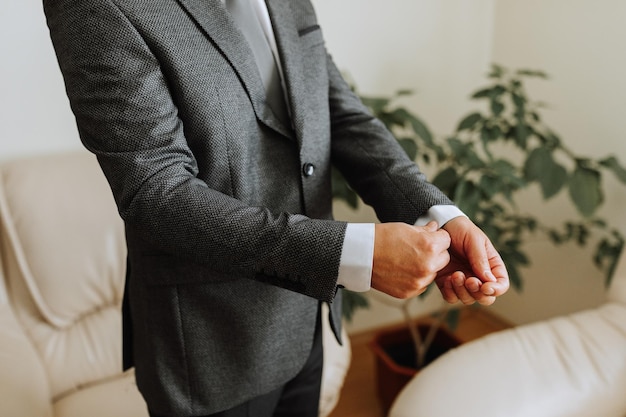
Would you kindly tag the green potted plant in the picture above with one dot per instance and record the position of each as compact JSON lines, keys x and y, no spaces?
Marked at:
{"x":492,"y":156}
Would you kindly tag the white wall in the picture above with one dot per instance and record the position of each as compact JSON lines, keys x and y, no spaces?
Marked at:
{"x":441,"y":49}
{"x":34,"y":112}
{"x":581,"y":45}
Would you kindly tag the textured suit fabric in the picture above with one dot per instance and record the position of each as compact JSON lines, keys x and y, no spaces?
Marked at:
{"x":231,"y":242}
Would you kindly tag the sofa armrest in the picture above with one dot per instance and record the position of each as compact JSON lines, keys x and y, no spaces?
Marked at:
{"x":336,"y":363}
{"x":23,"y":383}
{"x":570,"y":366}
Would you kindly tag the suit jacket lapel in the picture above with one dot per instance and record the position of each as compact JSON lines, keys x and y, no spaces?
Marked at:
{"x":220,"y":28}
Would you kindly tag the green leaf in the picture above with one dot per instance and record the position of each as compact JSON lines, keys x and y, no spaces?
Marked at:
{"x":463,"y":153}
{"x":390,"y":120}
{"x":484,"y":93}
{"x":497,"y":71}
{"x":555,"y":237}
{"x":522,"y":132}
{"x":540,"y":166}
{"x":489,"y":185}
{"x":532,"y":73}
{"x":468,"y":197}
{"x":452,"y":318}
{"x":446,"y":180}
{"x":490,"y":92}
{"x":470,"y":121}
{"x":585,"y":191}
{"x":341,"y":190}
{"x":420,"y":129}
{"x":504,"y":168}
{"x":514,"y":276}
{"x":473,"y":160}
{"x":503,"y":179}
{"x":495,"y":133}
{"x":535,"y":116}
{"x":404,"y":92}
{"x":352,"y":301}
{"x":486,"y":137}
{"x":514,"y":259}
{"x":409,"y":146}
{"x":375,"y":104}
{"x":399,"y":117}
{"x":520,"y":104}
{"x":613,"y":164}
{"x":551,"y":139}
{"x":458,"y":147}
{"x":608,"y":253}
{"x":497,"y":107}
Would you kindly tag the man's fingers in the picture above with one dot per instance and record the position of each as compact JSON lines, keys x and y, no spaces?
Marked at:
{"x":407,"y":258}
{"x":452,"y":291}
{"x":461,"y":291}
{"x":479,"y":261}
{"x":495,"y":288}
{"x":432,"y":226}
{"x":474,"y":286}
{"x":447,"y":292}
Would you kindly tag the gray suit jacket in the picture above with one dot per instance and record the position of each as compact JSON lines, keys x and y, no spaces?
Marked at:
{"x":230,"y":234}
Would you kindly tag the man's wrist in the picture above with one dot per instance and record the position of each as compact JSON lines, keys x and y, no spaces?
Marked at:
{"x":442,"y":214}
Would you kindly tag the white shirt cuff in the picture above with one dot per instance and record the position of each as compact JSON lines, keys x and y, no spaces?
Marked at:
{"x":357,"y":257}
{"x":442,"y":214}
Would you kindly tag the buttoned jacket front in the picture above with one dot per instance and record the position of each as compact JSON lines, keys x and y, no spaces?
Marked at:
{"x":228,"y":212}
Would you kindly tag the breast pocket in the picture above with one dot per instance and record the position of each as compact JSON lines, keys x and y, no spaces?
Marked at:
{"x":311,"y":36}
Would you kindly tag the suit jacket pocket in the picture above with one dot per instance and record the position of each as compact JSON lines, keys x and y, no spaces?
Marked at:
{"x":311,"y":36}
{"x":309,"y":29}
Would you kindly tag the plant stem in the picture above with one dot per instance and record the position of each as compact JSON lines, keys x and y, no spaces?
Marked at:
{"x":432,"y":332}
{"x":415,"y":334}
{"x":420,"y":345}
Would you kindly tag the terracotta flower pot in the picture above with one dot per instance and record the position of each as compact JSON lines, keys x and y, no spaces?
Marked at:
{"x":395,"y":358}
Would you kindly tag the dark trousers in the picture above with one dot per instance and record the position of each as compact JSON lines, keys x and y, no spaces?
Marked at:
{"x":298,"y":397}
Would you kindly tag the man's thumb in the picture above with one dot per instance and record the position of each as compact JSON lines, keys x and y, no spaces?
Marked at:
{"x":432,"y":226}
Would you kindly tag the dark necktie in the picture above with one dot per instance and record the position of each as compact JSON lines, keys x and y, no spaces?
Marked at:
{"x":248,"y":22}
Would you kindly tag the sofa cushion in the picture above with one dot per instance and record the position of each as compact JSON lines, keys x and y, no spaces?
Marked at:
{"x":117,"y":397}
{"x":65,"y":255}
{"x":23,"y":386}
{"x":570,"y":366}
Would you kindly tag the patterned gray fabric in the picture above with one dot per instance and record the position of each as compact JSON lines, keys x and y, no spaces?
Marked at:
{"x":227,"y":210}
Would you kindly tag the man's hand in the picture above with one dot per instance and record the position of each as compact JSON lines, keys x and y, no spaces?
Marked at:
{"x":476,"y":271}
{"x":407,"y":258}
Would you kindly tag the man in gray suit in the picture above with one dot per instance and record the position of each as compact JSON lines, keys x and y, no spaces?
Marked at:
{"x":226,"y":198}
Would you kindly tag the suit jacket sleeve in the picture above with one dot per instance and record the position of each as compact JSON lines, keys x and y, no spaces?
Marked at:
{"x":127,"y":117}
{"x":372,"y":161}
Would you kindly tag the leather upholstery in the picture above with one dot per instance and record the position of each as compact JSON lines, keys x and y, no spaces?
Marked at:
{"x":23,"y":386}
{"x":66,"y":266}
{"x":63,"y":257}
{"x":569,"y":366}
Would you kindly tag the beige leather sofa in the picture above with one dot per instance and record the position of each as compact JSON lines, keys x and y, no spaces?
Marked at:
{"x":570,"y":366}
{"x":63,"y":258}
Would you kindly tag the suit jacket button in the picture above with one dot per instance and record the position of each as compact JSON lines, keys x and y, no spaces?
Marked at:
{"x":308,"y":169}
